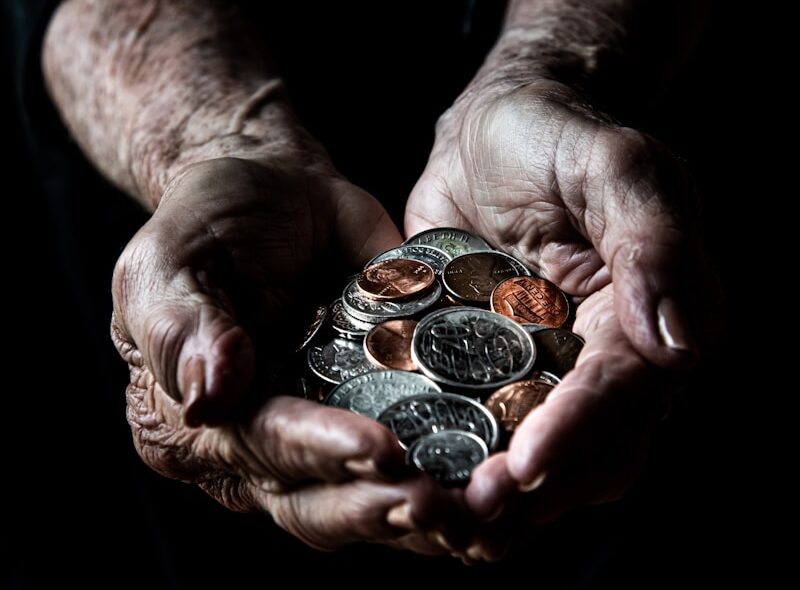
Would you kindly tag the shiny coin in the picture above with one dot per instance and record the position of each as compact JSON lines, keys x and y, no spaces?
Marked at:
{"x":428,"y":413}
{"x":511,"y":403}
{"x":433,"y":257}
{"x":518,"y":265}
{"x":453,"y":241}
{"x":557,"y":350}
{"x":338,"y":360}
{"x":448,"y":456}
{"x":531,"y":300}
{"x":544,"y":376}
{"x":346,"y":325}
{"x":472,"y":348}
{"x":320,"y":315}
{"x":388,"y":345}
{"x":473,"y":277}
{"x":395,"y":279}
{"x":371,"y":393}
{"x":369,"y":310}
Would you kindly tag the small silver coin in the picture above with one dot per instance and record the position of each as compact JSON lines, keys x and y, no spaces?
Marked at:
{"x":371,"y":393}
{"x":472,"y":348}
{"x":346,"y":325}
{"x":369,"y":310}
{"x":338,"y":360}
{"x":453,"y":241}
{"x":434,"y":257}
{"x":518,"y":265}
{"x":425,"y":414}
{"x":320,"y":316}
{"x":448,"y":456}
{"x":544,"y":377}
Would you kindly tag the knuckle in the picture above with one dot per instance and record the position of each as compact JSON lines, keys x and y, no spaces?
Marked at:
{"x":232,"y":492}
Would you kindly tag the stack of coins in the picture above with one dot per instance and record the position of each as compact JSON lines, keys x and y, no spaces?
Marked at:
{"x":448,"y":343}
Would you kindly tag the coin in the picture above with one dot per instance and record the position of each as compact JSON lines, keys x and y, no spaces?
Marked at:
{"x":338,"y":360}
{"x":531,"y":300}
{"x":433,"y":257}
{"x":320,"y":315}
{"x":544,"y":376}
{"x":428,"y":413}
{"x":346,"y":325}
{"x":371,"y":393}
{"x":453,"y":241}
{"x":448,"y":456}
{"x":511,"y":403}
{"x":472,"y":277}
{"x":395,"y":279}
{"x":472,"y":348}
{"x":388,"y":345}
{"x":369,"y":310}
{"x":557,"y":350}
{"x":518,"y":265}
{"x":531,"y":328}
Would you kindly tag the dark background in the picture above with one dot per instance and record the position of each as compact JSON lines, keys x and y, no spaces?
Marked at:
{"x":82,"y":507}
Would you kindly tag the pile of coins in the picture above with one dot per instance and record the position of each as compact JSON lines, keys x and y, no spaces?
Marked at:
{"x":447,"y":342}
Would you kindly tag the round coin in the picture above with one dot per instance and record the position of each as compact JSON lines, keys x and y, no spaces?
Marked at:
{"x":369,"y":310}
{"x":472,"y":348}
{"x":428,"y":413}
{"x":473,"y":277}
{"x":388,"y":345}
{"x":371,"y":393}
{"x":521,"y":269}
{"x":433,"y":257}
{"x":320,"y":315}
{"x":346,"y":325}
{"x":557,"y":350}
{"x":395,"y":279}
{"x":511,"y":403}
{"x":338,"y":360}
{"x":448,"y":456}
{"x":453,"y":241}
{"x":531,"y":300}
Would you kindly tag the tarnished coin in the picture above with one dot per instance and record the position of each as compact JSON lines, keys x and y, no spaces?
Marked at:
{"x":338,"y":360}
{"x":472,"y":348}
{"x":518,"y":265}
{"x":320,"y":315}
{"x":557,"y":350}
{"x":371,"y":393}
{"x":544,"y":376}
{"x":453,"y":241}
{"x":428,"y":413}
{"x":473,"y":277}
{"x":511,"y":403}
{"x":448,"y":456}
{"x":388,"y":345}
{"x":433,"y":257}
{"x":346,"y":325}
{"x":531,"y":328}
{"x":531,"y":300}
{"x":369,"y":310}
{"x":395,"y":279}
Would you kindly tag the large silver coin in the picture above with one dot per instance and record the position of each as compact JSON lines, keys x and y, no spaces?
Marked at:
{"x":338,"y":360}
{"x":346,"y":325}
{"x":472,"y":348}
{"x":371,"y":393}
{"x":434,"y":257}
{"x":369,"y":310}
{"x":448,"y":456}
{"x":428,"y":413}
{"x":453,"y":241}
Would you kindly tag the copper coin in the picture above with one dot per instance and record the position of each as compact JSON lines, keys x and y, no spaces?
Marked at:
{"x":531,"y":300}
{"x":473,"y":277}
{"x":510,"y":404}
{"x":396,"y":278}
{"x":388,"y":345}
{"x":556,"y":350}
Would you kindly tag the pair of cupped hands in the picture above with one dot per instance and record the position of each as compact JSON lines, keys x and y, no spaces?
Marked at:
{"x":603,"y":211}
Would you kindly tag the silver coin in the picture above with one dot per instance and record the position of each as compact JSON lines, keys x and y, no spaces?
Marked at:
{"x":448,"y":456}
{"x":338,"y":360}
{"x":425,"y":414}
{"x":544,"y":377}
{"x":472,"y":348}
{"x":320,"y":316}
{"x":371,"y":393}
{"x":558,"y":350}
{"x":346,"y":325}
{"x":369,"y":310}
{"x":434,"y":257}
{"x":518,"y":265}
{"x":453,"y":241}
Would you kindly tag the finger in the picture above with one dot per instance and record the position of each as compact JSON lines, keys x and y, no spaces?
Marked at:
{"x":490,"y":489}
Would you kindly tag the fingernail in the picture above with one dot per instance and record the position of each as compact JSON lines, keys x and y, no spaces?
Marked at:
{"x":362,"y":468}
{"x":194,"y":378}
{"x":442,"y":540}
{"x":494,"y":515}
{"x":534,"y":484}
{"x":400,"y":516}
{"x":673,"y":329}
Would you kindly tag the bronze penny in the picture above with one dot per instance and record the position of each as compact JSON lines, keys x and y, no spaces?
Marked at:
{"x":394,"y":279}
{"x":473,"y":277}
{"x":556,"y":350}
{"x":511,"y":403}
{"x":388,"y":345}
{"x":531,"y":300}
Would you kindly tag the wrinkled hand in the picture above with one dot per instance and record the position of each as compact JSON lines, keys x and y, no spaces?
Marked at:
{"x":195,"y":293}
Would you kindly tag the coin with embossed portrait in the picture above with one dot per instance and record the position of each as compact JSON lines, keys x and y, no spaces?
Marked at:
{"x":338,"y":360}
{"x":371,"y":310}
{"x":371,"y":393}
{"x":434,"y":257}
{"x":453,"y":241}
{"x":448,"y":456}
{"x":511,"y":403}
{"x":388,"y":345}
{"x":395,"y":279}
{"x":557,"y":350}
{"x":346,"y":325}
{"x":473,"y":277}
{"x":531,"y":300}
